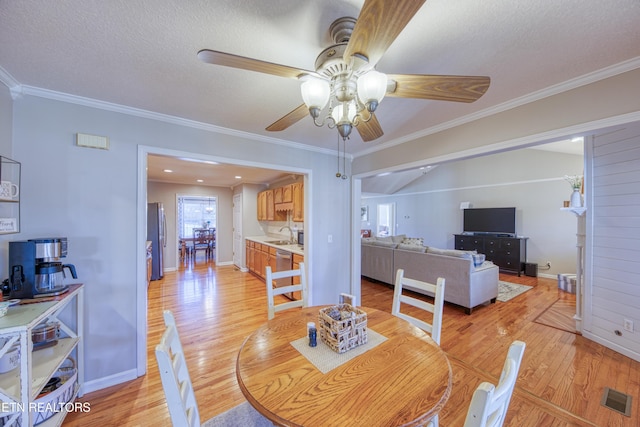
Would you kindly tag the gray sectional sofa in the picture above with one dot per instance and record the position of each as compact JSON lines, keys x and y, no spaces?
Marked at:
{"x":465,"y":285}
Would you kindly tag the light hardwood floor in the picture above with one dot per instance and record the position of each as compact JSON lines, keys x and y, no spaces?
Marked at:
{"x":560,"y":383}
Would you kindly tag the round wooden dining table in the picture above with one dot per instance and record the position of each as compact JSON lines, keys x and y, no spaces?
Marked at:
{"x":404,"y":380}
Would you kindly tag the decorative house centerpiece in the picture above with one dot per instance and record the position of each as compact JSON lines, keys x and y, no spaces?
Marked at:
{"x":576,"y":184}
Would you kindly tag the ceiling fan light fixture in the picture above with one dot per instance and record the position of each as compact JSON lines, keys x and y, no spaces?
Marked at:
{"x":371,"y":89}
{"x":315,"y":93}
{"x":341,"y":116}
{"x":344,"y":117}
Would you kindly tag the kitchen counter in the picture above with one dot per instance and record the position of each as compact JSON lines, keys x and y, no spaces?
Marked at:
{"x":293,"y":248}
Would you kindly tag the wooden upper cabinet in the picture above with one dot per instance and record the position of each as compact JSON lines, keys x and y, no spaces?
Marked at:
{"x":283,"y":198}
{"x":275,"y":204}
{"x":287,"y":193}
{"x":266,"y":207}
{"x":277,"y":195}
{"x":298,"y":201}
{"x":270,"y":205}
{"x":262,"y":206}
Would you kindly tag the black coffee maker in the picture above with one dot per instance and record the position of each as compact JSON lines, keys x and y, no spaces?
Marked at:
{"x":35,"y":269}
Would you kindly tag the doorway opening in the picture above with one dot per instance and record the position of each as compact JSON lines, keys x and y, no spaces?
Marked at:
{"x":386,"y":220}
{"x":196,"y":214}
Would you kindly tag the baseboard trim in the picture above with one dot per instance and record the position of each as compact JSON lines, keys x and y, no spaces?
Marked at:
{"x":110,"y":381}
{"x":613,"y":346}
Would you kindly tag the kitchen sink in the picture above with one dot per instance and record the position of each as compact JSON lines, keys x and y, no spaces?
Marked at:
{"x":279,"y":242}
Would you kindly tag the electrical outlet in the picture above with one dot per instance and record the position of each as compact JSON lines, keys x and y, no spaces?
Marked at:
{"x":628,"y":325}
{"x":330,"y":238}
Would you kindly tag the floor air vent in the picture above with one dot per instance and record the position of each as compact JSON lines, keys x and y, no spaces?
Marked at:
{"x":616,"y":401}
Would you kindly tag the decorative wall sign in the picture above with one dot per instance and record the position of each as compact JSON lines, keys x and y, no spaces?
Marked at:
{"x":8,"y":225}
{"x":92,"y":141}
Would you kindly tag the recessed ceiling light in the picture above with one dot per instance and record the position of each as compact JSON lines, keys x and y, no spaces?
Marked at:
{"x":199,"y":180}
{"x":168,"y":170}
{"x":238,"y":177}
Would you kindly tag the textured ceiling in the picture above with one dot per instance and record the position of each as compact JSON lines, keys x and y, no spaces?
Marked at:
{"x":142,"y":54}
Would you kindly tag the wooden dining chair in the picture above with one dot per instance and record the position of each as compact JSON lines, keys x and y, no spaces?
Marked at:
{"x":176,"y":382}
{"x":201,"y":242}
{"x":436,"y":309}
{"x":272,"y":291}
{"x":490,"y":403}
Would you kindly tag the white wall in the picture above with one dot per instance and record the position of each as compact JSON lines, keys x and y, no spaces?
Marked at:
{"x":6,"y":119}
{"x":167,"y":194}
{"x":91,"y":197}
{"x":613,"y":241}
{"x":6,"y":132}
{"x":530,"y":180}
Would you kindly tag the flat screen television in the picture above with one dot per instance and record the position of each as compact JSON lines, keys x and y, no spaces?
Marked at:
{"x":490,"y":221}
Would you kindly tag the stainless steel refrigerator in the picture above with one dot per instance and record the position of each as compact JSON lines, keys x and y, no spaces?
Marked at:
{"x":156,"y":227}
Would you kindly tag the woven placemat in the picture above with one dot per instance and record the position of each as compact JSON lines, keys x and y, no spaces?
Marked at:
{"x":325,"y":359}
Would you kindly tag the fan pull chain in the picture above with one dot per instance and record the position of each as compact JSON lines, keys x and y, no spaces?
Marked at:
{"x":344,"y":159}
{"x":338,"y":174}
{"x":342,"y":174}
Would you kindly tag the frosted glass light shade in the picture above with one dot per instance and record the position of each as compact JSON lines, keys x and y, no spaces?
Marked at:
{"x":338,"y":113}
{"x":372,"y":86}
{"x":315,"y":92}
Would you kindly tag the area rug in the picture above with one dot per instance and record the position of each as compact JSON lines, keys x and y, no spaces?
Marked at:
{"x":507,"y":290}
{"x":243,"y":415}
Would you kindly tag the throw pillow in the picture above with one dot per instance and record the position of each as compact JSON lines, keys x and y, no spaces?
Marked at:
{"x":451,"y":252}
{"x":418,"y":241}
{"x":399,"y":238}
{"x":410,"y":247}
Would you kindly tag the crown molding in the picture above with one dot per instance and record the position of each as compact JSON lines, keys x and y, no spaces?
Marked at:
{"x":138,"y":112}
{"x":14,"y":86}
{"x":583,"y":80}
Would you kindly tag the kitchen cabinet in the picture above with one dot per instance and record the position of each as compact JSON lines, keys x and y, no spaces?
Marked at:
{"x":9,"y":196}
{"x":271,"y":209}
{"x":283,"y":198}
{"x":267,"y":209}
{"x":262,"y":206}
{"x":297,"y":259}
{"x":271,"y":258}
{"x":263,"y":255}
{"x":250,"y":255}
{"x":297,"y":190}
{"x":260,"y":255}
{"x":20,"y":387}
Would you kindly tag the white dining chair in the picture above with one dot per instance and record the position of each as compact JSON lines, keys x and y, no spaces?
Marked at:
{"x":490,"y":403}
{"x":176,"y":382}
{"x":272,"y":291}
{"x":436,"y":309}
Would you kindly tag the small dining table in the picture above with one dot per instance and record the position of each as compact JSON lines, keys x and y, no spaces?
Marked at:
{"x":400,"y":377}
{"x":186,"y":243}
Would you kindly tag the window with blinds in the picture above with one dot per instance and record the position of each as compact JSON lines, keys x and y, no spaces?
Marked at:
{"x":196,"y":212}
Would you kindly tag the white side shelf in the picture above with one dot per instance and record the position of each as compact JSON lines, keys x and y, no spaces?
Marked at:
{"x":21,"y":386}
{"x":577,"y":211}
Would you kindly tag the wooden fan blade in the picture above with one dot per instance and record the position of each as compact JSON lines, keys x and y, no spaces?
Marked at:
{"x":370,"y":130}
{"x":442,"y":88}
{"x":289,"y":119}
{"x":378,"y":25}
{"x":235,"y":61}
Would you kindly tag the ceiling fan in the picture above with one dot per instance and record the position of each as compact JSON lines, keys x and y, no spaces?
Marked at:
{"x":345,"y":78}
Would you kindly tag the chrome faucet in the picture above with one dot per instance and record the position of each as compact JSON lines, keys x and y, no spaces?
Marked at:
{"x":290,"y":233}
